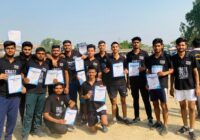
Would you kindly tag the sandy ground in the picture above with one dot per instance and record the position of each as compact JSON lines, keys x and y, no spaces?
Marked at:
{"x":120,"y":131}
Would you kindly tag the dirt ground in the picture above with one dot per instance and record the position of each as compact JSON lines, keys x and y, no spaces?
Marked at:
{"x":119,"y":131}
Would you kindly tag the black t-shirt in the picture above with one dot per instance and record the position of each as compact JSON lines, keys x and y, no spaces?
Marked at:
{"x":8,"y":68}
{"x":71,"y":65}
{"x":183,"y":71}
{"x":116,"y":80}
{"x":56,"y":105}
{"x":141,"y":57}
{"x":165,"y":62}
{"x":85,"y":88}
{"x":196,"y":53}
{"x":95,"y":63}
{"x":103,"y":60}
{"x":41,"y":87}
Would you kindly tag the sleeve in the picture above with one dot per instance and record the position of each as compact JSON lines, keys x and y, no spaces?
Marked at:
{"x":98,"y":67}
{"x":169,"y":61}
{"x":194,"y":62}
{"x":125,"y":63}
{"x":47,"y":107}
{"x":25,"y":68}
{"x":66,"y":99}
{"x":147,"y":63}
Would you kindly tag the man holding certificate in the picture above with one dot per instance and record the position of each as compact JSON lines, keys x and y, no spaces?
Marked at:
{"x":54,"y":110}
{"x":58,"y":64}
{"x":103,"y":57}
{"x":186,"y":86}
{"x":95,"y":103}
{"x":36,"y":91}
{"x":24,"y":57}
{"x":116,"y":67}
{"x":10,"y":89}
{"x":160,"y":63}
{"x":136,"y":60}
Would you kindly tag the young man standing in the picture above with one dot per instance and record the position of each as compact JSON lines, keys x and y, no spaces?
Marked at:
{"x":9,"y":103}
{"x":196,"y":53}
{"x":88,"y":88}
{"x":138,"y":83}
{"x":186,"y":78}
{"x":103,"y":57}
{"x":54,"y":110}
{"x":58,"y":63}
{"x":117,"y":84}
{"x":162,"y":61}
{"x":35,"y":97}
{"x":24,"y":57}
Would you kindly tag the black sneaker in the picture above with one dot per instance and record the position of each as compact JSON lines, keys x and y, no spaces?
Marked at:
{"x":127,"y":121}
{"x":39,"y":133}
{"x":163,"y":130}
{"x":25,"y":137}
{"x":150,"y":122}
{"x":137,"y":119}
{"x":182,"y":130}
{"x":104,"y":129}
{"x":119,"y":118}
{"x":192,"y":136}
{"x":157,"y":125}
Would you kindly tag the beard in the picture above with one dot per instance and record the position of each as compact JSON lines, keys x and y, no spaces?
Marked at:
{"x":10,"y":56}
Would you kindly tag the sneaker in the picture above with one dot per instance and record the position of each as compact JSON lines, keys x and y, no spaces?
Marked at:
{"x":104,"y":129}
{"x":157,"y":125}
{"x":39,"y":133}
{"x":119,"y":118}
{"x":137,"y":119}
{"x":70,"y":128}
{"x":114,"y":121}
{"x":150,"y":122}
{"x":163,"y":130}
{"x":25,"y":137}
{"x":192,"y":136}
{"x":182,"y":130}
{"x":127,"y":121}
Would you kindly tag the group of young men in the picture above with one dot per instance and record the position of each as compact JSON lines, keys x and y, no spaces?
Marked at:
{"x":100,"y":69}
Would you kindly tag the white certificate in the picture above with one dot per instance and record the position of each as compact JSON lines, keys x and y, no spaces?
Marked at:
{"x":100,"y":94}
{"x":118,"y":70}
{"x":82,"y":47}
{"x":15,"y":84}
{"x":34,"y":75}
{"x":133,"y":69}
{"x":153,"y":81}
{"x":156,"y":68}
{"x":70,"y":116}
{"x":54,"y":74}
{"x":81,"y":76}
{"x":15,"y":36}
{"x":79,"y":64}
{"x":104,"y":107}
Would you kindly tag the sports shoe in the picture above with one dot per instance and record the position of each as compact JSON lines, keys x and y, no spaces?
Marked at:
{"x":104,"y":129}
{"x":39,"y":133}
{"x":127,"y":121}
{"x":157,"y":125}
{"x":182,"y":130}
{"x":163,"y":130}
{"x":135,"y":120}
{"x":150,"y":122}
{"x":192,"y":136}
{"x":25,"y":137}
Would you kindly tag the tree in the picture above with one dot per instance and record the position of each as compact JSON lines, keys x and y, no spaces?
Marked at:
{"x":192,"y":28}
{"x":48,"y":42}
{"x":125,"y":45}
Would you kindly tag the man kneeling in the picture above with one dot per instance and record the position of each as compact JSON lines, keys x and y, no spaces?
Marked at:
{"x":54,"y":110}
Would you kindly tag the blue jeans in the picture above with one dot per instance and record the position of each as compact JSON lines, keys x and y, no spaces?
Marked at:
{"x":8,"y":109}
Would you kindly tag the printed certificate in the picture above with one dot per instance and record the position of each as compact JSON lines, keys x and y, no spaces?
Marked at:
{"x":153,"y":81}
{"x":54,"y":74}
{"x":133,"y":69}
{"x":100,"y":94}
{"x":15,"y":84}
{"x":81,"y":76}
{"x":118,"y":70}
{"x":79,"y":64}
{"x":70,"y":116}
{"x":156,"y":68}
{"x":34,"y":75}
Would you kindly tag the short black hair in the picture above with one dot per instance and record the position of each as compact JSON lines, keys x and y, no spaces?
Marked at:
{"x":67,"y":41}
{"x":101,"y":42}
{"x":136,"y":38}
{"x":196,"y":43}
{"x":157,"y":40}
{"x":91,"y":67}
{"x":115,"y":42}
{"x":58,"y":84}
{"x":40,"y":49}
{"x":180,"y":39}
{"x":27,"y":44}
{"x":9,"y":43}
{"x":55,"y":46}
{"x":91,"y":46}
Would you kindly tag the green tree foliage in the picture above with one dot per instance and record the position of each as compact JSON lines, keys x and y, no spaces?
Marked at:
{"x":192,"y":28}
{"x":125,"y":45}
{"x":48,"y":42}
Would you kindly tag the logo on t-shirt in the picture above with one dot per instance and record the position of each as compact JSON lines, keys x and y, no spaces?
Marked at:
{"x":188,"y":62}
{"x":183,"y":73}
{"x":162,"y":62}
{"x":16,"y":67}
{"x":141,"y":57}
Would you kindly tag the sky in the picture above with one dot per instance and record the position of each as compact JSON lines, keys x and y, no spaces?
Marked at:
{"x":93,"y":20}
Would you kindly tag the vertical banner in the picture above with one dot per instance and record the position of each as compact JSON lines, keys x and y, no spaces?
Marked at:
{"x":15,"y":36}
